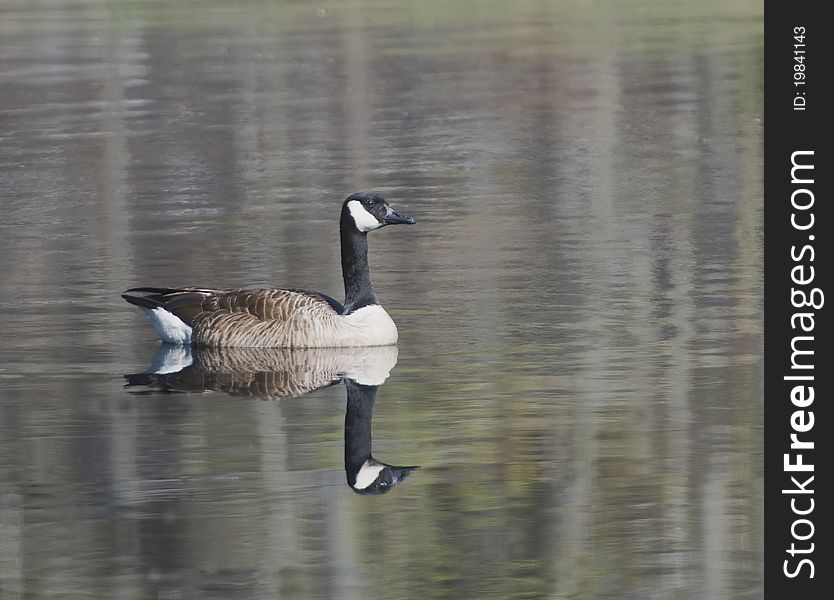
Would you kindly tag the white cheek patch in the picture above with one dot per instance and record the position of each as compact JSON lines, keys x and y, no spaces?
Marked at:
{"x":364,"y":220}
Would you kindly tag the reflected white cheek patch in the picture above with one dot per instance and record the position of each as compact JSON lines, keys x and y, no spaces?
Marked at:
{"x":367,"y":474}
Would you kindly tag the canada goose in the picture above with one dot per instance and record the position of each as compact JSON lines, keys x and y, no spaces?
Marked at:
{"x":285,"y":318}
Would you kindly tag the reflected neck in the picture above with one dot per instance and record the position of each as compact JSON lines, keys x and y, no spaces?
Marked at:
{"x":360,"y":410}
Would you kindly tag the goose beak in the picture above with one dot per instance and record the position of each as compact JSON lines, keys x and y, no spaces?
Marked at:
{"x":395,"y":218}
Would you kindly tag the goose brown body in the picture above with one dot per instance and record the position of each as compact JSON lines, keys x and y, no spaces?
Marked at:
{"x":271,"y":318}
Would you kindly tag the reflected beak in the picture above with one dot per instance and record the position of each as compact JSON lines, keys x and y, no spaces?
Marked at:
{"x":395,"y":218}
{"x":400,"y":473}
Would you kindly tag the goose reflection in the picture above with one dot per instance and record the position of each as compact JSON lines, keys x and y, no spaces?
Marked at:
{"x":271,"y":373}
{"x":365,"y":474}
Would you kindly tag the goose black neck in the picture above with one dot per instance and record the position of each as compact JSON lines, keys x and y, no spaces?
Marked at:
{"x":360,"y":410}
{"x":359,"y":291}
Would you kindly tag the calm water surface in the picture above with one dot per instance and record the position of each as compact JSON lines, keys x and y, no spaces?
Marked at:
{"x":580,"y":359}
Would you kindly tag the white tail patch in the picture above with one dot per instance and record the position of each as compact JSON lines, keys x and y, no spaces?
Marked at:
{"x":368,"y":474}
{"x":168,"y":326}
{"x":364,"y":220}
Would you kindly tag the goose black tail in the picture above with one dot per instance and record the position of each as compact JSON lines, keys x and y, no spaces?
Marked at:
{"x":153,"y":290}
{"x":141,"y":300}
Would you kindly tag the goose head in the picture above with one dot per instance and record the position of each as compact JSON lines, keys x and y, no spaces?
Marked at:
{"x":367,"y":211}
